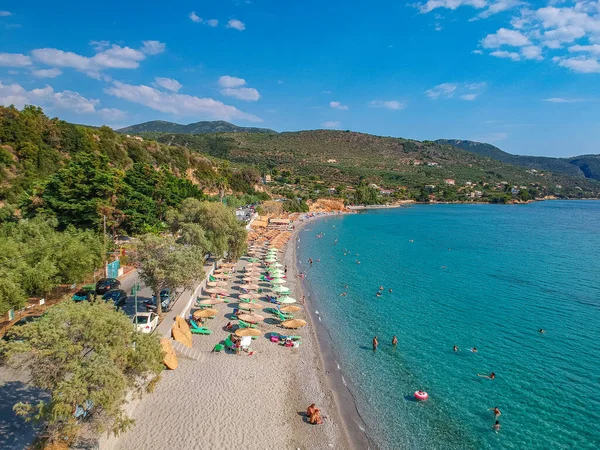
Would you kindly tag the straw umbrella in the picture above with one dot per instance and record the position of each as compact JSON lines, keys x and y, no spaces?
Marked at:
{"x":286,"y":300}
{"x":290,"y":309}
{"x":241,"y":332}
{"x":210,"y":301}
{"x":293,"y":323}
{"x":251,"y":318}
{"x":222,"y":276}
{"x":216,"y":291}
{"x":216,"y":284}
{"x":250,"y":296}
{"x":249,"y":305}
{"x":205,"y":313}
{"x":250,"y":279}
{"x":249,"y":287}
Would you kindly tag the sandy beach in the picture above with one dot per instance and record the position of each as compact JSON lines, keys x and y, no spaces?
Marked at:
{"x":257,"y":401}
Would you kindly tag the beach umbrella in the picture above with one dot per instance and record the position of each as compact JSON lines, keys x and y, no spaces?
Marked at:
{"x":215,"y":291}
{"x":277,"y":265}
{"x":249,"y":287}
{"x":270,"y":260}
{"x":278,"y":281}
{"x":290,"y":308}
{"x":277,"y":273}
{"x":251,"y":318}
{"x":223,"y":270}
{"x":228,"y":264}
{"x":250,"y":279}
{"x":211,"y":301}
{"x":293,"y":323}
{"x":250,"y":296}
{"x":222,"y":276}
{"x":247,"y":332}
{"x":286,"y":300}
{"x":280,"y":289}
{"x":204,"y":313}
{"x":249,"y":305}
{"x":252,"y":264}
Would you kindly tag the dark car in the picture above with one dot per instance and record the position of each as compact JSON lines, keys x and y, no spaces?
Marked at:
{"x":86,"y":293}
{"x":117,"y":296}
{"x":24,"y":321}
{"x":166,"y":301}
{"x":106,"y":284}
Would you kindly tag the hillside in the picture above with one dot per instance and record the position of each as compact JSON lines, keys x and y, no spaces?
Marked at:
{"x":219,"y":126}
{"x":336,"y":157}
{"x":587,"y":166}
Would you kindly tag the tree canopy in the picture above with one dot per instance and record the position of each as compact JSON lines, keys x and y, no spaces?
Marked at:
{"x":84,"y":355}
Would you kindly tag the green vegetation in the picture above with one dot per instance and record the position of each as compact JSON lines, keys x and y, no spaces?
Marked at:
{"x":218,"y":126}
{"x":84,"y":355}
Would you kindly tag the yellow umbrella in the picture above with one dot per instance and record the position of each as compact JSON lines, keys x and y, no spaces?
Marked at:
{"x":216,"y":291}
{"x":247,"y":332}
{"x":203,"y":313}
{"x":290,"y":308}
{"x":249,"y":305}
{"x":250,"y":296}
{"x":293,"y":323}
{"x":216,"y":283}
{"x":251,"y":318}
{"x":211,"y":301}
{"x":221,"y":275}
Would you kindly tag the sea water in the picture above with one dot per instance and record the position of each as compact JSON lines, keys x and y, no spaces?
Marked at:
{"x":484,"y":276}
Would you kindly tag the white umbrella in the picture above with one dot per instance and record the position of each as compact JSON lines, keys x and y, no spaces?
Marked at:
{"x":277,"y":281}
{"x":281,"y":289}
{"x":286,"y":300}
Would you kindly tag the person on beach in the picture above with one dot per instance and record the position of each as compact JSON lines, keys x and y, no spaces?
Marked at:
{"x":497,"y":412}
{"x":315,"y":418}
{"x":491,"y":376}
{"x":310,"y":410}
{"x":229,"y":326}
{"x":496,"y":426}
{"x":394,"y":340}
{"x":303,"y":299}
{"x":310,"y":261}
{"x":455,"y":348}
{"x":285,"y":270}
{"x":375,"y":343}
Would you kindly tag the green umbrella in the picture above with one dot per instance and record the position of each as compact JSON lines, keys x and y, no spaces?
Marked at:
{"x":277,"y":281}
{"x":286,"y":300}
{"x":276,"y":273}
{"x":281,"y":289}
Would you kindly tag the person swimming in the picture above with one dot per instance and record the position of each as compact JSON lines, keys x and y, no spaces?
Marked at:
{"x":542,"y":330}
{"x":455,"y":348}
{"x":491,"y":376}
{"x":474,"y":349}
{"x":375,"y":343}
{"x":394,"y":340}
{"x":381,"y":288}
{"x":390,"y":290}
{"x":497,"y":412}
{"x":378,"y":294}
{"x":496,"y":426}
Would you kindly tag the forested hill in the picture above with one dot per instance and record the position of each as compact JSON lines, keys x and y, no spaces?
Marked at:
{"x":219,"y":126}
{"x":580,"y":166}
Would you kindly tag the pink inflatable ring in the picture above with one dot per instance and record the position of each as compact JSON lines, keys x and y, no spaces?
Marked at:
{"x":421,"y":395}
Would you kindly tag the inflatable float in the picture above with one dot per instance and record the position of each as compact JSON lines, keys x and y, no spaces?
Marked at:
{"x":421,"y":395}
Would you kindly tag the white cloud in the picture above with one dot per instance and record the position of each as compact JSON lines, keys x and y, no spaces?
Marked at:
{"x":331,"y":124}
{"x":168,"y":83}
{"x":153,"y":47}
{"x":477,"y":52}
{"x":450,"y":4}
{"x":325,"y":92}
{"x":194,"y":17}
{"x":46,"y":73}
{"x":99,"y":45}
{"x":507,"y":55}
{"x":532,"y":52}
{"x":594,"y":49}
{"x":227,"y":81}
{"x":212,"y":22}
{"x":244,"y":93}
{"x":580,"y":64}
{"x":338,"y":105}
{"x":236,"y":25}
{"x":499,"y":6}
{"x":15,"y":94}
{"x":469,"y":97}
{"x":388,"y":104}
{"x":14,"y":60}
{"x":178,"y":104}
{"x":563,"y":100}
{"x":504,"y":36}
{"x":5,"y":13}
{"x":444,"y":90}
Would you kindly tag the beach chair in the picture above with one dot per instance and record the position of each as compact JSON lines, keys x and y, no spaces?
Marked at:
{"x":229,"y":343}
{"x":218,"y":348}
{"x":246,"y":324}
{"x":194,"y":328}
{"x":282,"y":316}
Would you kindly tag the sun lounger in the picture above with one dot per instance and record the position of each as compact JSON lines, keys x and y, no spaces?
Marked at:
{"x":194,"y":328}
{"x":218,"y":348}
{"x":246,"y":324}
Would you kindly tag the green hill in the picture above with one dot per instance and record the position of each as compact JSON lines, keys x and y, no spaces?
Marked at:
{"x":587,"y":166}
{"x":219,"y":126}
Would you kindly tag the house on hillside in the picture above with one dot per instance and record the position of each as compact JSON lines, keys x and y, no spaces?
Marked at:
{"x":332,"y":161}
{"x":450,"y":181}
{"x":386,"y":191}
{"x":432,"y":164}
{"x":267,"y":179}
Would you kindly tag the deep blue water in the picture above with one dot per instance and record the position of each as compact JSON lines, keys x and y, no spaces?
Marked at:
{"x":485,"y":276}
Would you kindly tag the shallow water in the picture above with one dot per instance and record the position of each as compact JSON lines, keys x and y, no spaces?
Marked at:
{"x":485,"y":276}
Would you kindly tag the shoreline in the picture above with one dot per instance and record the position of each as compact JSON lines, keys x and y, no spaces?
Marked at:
{"x":333,"y":379}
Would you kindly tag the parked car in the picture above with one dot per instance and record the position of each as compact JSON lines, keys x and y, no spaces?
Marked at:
{"x":145,"y":322}
{"x":86,"y":293}
{"x":117,"y":296}
{"x":166,"y":301}
{"x":106,"y":284}
{"x":24,"y":321}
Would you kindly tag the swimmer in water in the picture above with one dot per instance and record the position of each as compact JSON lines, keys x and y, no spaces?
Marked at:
{"x":394,"y":340}
{"x":474,"y":349}
{"x":390,"y":290}
{"x":357,"y":261}
{"x":496,"y":426}
{"x":491,"y":376}
{"x":378,"y":294}
{"x":497,"y":412}
{"x":375,"y":343}
{"x":542,"y":330}
{"x":412,"y":240}
{"x":381,"y":288}
{"x":455,"y":348}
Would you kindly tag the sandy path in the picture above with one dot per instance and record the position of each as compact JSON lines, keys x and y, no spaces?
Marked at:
{"x":226,"y":401}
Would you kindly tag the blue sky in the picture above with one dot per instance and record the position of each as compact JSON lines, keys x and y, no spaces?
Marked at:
{"x":524,"y":76}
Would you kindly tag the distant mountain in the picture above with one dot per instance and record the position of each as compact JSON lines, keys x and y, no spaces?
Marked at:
{"x":218,"y":126}
{"x":587,"y":166}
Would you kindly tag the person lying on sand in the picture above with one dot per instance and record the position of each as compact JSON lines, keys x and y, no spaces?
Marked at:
{"x":491,"y":376}
{"x":229,"y":326}
{"x":316,"y":418}
{"x":310,"y":410}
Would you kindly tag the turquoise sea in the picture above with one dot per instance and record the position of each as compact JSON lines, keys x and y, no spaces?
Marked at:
{"x":484,"y":276}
